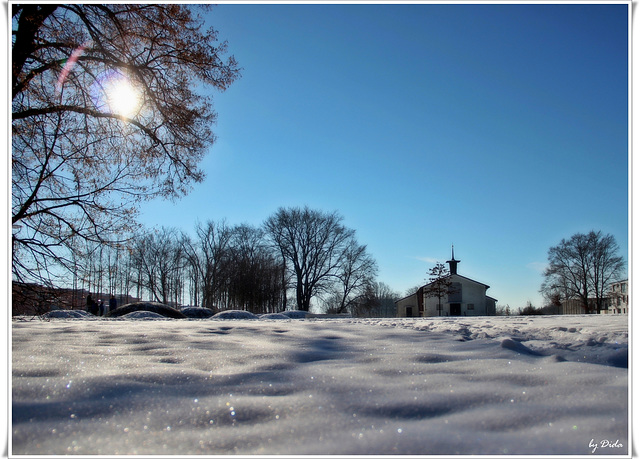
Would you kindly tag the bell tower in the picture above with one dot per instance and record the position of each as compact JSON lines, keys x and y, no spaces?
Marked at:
{"x":453,"y":263}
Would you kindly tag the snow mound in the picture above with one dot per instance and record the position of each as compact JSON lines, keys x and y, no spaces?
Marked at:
{"x":275,"y":316}
{"x":65,"y":314}
{"x":193,"y":312}
{"x":151,"y":306}
{"x":296,"y":314}
{"x":235,"y":315}
{"x":142,"y":315}
{"x":587,"y":338}
{"x":508,"y":343}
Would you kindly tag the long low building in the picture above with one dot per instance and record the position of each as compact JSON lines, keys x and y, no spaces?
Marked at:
{"x":616,"y":301}
{"x":465,"y":297}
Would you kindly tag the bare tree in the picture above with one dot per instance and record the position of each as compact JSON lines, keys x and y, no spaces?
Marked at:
{"x":312,"y":243}
{"x":255,"y":272}
{"x":232,"y":267}
{"x":553,"y":302}
{"x":440,"y":284}
{"x":583,"y":268}
{"x":607,"y":266}
{"x":106,"y":111}
{"x":378,"y":300}
{"x":208,"y":259}
{"x":193,"y":268}
{"x":356,"y":273}
{"x":412,"y":290}
{"x":159,"y":258}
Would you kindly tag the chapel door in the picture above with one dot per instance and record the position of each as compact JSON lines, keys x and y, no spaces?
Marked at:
{"x":454,"y":309}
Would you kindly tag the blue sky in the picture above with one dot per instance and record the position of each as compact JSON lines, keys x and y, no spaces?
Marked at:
{"x":498,"y":128}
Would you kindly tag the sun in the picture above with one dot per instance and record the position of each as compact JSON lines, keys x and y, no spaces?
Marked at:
{"x":122,"y":97}
{"x":116,"y":93}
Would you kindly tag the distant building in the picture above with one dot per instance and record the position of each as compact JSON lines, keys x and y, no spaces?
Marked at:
{"x":575,"y":306}
{"x":466,"y":297}
{"x":619,"y":298}
{"x":617,"y":301}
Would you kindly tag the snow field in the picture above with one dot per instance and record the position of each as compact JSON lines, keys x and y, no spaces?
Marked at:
{"x":482,"y":385}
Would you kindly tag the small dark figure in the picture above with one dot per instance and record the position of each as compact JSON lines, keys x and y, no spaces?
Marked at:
{"x":113,"y":303}
{"x":92,"y":307}
{"x":101,"y":307}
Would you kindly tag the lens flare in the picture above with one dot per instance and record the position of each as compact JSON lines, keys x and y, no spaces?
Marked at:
{"x":69,"y":64}
{"x":114,"y":92}
{"x":123,"y":99}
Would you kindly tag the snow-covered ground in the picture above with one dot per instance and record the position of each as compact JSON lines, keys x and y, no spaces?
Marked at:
{"x":482,"y":385}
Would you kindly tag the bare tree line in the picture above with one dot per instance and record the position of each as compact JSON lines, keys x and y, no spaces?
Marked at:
{"x":256,"y":269}
{"x":219,"y":267}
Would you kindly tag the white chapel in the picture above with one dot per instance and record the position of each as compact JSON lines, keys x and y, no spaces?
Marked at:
{"x":466,"y":297}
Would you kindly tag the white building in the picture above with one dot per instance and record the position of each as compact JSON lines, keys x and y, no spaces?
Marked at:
{"x":466,"y":297}
{"x":616,"y":302}
{"x":619,"y":298}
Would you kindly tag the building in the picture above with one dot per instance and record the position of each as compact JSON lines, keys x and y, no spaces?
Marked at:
{"x":618,"y":298}
{"x":616,"y":302}
{"x":466,"y":297}
{"x":575,"y":306}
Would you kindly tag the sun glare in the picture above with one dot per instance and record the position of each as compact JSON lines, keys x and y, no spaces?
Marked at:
{"x":122,"y":97}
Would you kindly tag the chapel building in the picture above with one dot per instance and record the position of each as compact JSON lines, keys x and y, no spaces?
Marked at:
{"x":466,"y":297}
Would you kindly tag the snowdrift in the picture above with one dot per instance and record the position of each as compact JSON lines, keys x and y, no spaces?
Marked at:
{"x":484,"y":385}
{"x":197,"y":313}
{"x":149,"y":306}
